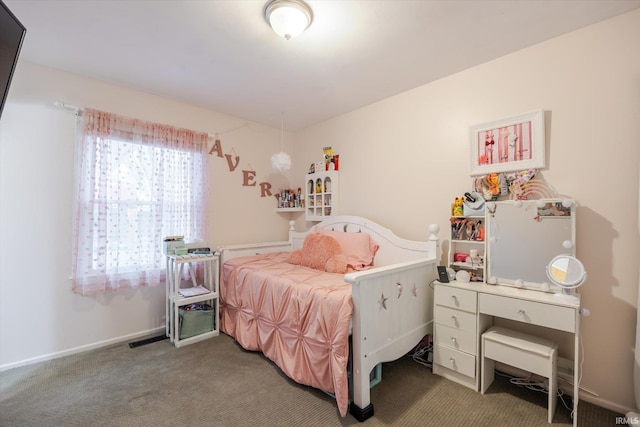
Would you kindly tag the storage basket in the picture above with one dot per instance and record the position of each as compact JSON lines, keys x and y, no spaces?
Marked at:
{"x":196,"y":321}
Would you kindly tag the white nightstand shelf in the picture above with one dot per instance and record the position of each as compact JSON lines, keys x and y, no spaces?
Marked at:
{"x":175,"y":302}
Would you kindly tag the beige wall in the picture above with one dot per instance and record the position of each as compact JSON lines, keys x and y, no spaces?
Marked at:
{"x":405,"y":158}
{"x":39,"y":315}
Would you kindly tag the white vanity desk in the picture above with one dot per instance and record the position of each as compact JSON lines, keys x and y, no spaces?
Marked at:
{"x":463,"y":311}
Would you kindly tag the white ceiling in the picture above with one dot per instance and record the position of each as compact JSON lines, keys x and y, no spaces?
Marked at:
{"x":221,"y":54}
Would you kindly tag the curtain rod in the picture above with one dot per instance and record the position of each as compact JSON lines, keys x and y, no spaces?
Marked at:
{"x":76,"y":110}
{"x":69,"y":107}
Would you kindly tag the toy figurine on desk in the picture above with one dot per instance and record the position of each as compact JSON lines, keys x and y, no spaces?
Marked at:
{"x":474,"y":277}
{"x":457,"y":209}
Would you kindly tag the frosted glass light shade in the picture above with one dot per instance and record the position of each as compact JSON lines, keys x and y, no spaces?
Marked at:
{"x":288,"y":18}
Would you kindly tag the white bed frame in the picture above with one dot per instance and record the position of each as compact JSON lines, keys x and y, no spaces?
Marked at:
{"x":393,"y":301}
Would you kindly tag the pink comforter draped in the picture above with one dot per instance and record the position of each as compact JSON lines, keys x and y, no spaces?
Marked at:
{"x":298,"y":317}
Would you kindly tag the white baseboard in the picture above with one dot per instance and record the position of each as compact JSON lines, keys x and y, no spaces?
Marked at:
{"x":607,"y":404}
{"x":81,"y":349}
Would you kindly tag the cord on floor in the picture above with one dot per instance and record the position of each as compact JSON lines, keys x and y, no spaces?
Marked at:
{"x":535,"y":385}
{"x":422,"y":353}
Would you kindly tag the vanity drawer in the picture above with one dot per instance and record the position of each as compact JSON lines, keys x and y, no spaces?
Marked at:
{"x":455,"y":360}
{"x":455,"y":319}
{"x":461,"y":299}
{"x":536,"y":313}
{"x":456,"y":338}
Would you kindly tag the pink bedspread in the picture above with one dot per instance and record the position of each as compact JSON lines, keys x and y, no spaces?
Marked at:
{"x":298,"y":317}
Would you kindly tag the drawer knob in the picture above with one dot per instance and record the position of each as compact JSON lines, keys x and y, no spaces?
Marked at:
{"x":453,"y":340}
{"x":455,"y":319}
{"x":452,"y":360}
{"x":521,"y":312}
{"x":454,"y":298}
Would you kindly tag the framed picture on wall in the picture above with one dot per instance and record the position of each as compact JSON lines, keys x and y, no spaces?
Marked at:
{"x":512,"y":144}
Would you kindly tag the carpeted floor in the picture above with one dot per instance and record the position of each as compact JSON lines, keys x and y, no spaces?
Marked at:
{"x":217,"y":383}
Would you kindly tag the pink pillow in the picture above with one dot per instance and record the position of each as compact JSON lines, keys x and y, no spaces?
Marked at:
{"x":359,"y":248}
{"x":320,"y":252}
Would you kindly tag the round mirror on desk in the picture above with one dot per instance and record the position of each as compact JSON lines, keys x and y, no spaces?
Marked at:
{"x":567,"y":272}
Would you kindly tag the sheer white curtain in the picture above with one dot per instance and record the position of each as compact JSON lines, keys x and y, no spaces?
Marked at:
{"x":136,"y":182}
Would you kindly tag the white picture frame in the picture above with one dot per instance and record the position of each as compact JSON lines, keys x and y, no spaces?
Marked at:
{"x":512,"y":144}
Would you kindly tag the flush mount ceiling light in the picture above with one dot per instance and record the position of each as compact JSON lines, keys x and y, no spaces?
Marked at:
{"x":288,"y":18}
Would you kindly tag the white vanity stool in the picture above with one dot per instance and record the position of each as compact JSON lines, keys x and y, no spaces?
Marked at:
{"x":527,"y":352}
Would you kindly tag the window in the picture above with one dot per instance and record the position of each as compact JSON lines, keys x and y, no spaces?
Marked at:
{"x":136,"y":183}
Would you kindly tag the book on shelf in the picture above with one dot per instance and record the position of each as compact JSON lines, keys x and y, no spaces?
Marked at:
{"x":193,"y":291}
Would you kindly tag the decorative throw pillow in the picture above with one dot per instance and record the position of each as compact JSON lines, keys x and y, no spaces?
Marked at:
{"x":320,"y":252}
{"x":359,"y":248}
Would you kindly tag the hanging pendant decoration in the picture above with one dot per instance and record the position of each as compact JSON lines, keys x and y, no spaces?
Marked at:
{"x":281,"y":161}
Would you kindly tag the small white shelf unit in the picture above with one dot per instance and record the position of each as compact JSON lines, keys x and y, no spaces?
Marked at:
{"x":175,"y":267}
{"x":289,"y":209}
{"x":323,"y":199}
{"x":466,"y":240}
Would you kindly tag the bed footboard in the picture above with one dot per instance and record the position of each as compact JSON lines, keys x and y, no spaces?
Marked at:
{"x":393,"y":310}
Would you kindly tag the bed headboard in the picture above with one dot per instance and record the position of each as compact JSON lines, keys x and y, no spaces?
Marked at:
{"x":393,"y":249}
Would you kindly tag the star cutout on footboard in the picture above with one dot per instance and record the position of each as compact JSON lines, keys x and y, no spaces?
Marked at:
{"x":383,"y":301}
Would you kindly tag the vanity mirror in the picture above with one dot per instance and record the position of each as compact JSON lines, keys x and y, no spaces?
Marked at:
{"x":523,"y":235}
{"x":568,"y":273}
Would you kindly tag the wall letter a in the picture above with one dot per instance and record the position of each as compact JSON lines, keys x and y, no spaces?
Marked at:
{"x":217,"y":147}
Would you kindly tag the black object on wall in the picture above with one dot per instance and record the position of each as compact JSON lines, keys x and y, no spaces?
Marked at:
{"x":12,"y":34}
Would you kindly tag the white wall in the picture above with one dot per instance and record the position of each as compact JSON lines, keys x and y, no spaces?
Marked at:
{"x":404,"y":159}
{"x":39,"y":315}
